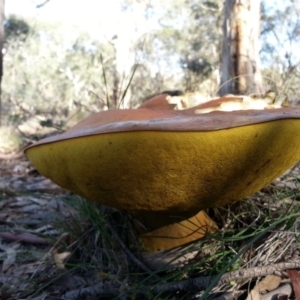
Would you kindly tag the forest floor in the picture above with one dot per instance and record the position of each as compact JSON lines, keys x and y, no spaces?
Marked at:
{"x":30,"y":206}
{"x":32,"y":209}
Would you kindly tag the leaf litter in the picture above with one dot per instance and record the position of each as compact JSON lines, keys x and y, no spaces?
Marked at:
{"x":34,"y":265}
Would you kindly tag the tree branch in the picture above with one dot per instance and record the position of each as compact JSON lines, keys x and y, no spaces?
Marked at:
{"x":42,"y":4}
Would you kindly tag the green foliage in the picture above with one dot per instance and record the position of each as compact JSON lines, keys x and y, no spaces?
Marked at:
{"x":16,"y":28}
{"x":64,"y":77}
{"x":184,"y":41}
{"x":49,"y":75}
{"x":251,"y":235}
{"x":280,"y":43}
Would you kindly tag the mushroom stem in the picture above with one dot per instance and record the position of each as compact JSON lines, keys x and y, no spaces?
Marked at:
{"x":180,"y":232}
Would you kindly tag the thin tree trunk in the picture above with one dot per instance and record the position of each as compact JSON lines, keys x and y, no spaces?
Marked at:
{"x":1,"y":53}
{"x":240,"y":51}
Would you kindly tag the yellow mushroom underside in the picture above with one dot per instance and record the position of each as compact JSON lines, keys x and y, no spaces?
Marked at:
{"x":171,"y":171}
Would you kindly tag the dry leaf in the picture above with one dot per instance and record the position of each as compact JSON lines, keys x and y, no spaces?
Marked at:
{"x":11,"y":255}
{"x":283,"y":292}
{"x":295,"y":279}
{"x":253,"y":295}
{"x":59,"y":259}
{"x":269,"y":283}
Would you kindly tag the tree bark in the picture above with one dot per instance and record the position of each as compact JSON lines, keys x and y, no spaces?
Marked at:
{"x":240,"y":66}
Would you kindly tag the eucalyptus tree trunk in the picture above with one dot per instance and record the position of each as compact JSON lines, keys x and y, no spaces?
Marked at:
{"x":1,"y":53}
{"x":240,"y":68}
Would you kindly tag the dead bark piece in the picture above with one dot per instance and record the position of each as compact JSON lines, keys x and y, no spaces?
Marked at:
{"x":281,"y":293}
{"x":295,"y":279}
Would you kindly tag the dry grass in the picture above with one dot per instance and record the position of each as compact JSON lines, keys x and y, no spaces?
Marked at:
{"x":258,"y":232}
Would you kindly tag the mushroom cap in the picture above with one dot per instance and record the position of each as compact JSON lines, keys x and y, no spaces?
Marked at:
{"x":171,"y":161}
{"x":158,"y":102}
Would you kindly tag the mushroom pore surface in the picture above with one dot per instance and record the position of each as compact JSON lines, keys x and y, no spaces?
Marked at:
{"x":170,"y":171}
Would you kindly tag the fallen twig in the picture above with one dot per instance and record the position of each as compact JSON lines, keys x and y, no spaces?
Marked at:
{"x":193,"y":285}
{"x":200,"y":283}
{"x":97,"y":290}
{"x":130,"y":254}
{"x":24,"y":237}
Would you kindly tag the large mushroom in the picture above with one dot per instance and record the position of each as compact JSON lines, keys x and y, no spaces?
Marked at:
{"x":166,"y":166}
